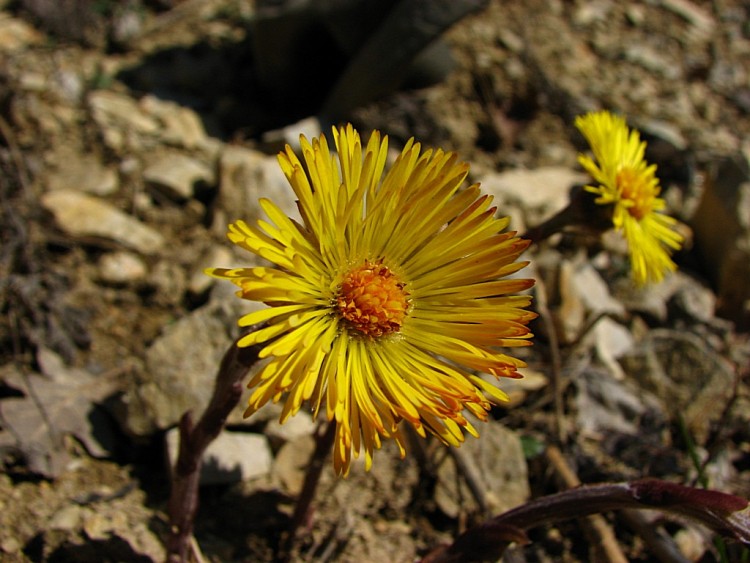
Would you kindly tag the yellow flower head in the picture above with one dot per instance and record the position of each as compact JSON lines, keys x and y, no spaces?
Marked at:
{"x":629,"y":183}
{"x":385,"y":297}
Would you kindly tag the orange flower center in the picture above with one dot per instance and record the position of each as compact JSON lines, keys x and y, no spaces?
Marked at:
{"x":372,"y":300}
{"x":636,"y":189}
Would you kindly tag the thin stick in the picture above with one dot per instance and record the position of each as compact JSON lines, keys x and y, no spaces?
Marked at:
{"x":471,"y":473}
{"x":659,"y":543}
{"x":555,"y":359}
{"x":595,"y":524}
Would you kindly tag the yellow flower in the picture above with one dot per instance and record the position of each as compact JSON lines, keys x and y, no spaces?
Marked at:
{"x":386,"y":295}
{"x":629,"y":183}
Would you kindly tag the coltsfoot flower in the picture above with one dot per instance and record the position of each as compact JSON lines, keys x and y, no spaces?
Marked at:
{"x":629,"y":184}
{"x":385,"y":298}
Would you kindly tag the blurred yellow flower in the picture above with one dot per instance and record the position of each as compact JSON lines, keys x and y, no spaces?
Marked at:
{"x":629,"y":183}
{"x":386,"y":295}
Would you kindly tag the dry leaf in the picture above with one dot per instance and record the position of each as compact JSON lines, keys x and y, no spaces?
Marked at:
{"x":58,"y":402}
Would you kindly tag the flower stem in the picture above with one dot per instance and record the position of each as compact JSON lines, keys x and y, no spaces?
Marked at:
{"x":581,"y":213}
{"x":324,"y":438}
{"x":194,"y":439}
{"x":726,"y":514}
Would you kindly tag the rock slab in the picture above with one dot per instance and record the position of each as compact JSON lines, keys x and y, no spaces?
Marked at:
{"x":85,"y":216}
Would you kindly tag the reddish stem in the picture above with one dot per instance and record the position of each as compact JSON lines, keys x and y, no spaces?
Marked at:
{"x":183,"y":501}
{"x":726,"y":514}
{"x":324,"y":439}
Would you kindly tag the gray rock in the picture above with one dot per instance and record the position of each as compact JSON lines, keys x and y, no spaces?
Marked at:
{"x":570,"y":91}
{"x":70,"y":21}
{"x":651,"y":300}
{"x":604,"y":404}
{"x":100,"y":526}
{"x":181,"y":367}
{"x":690,"y":379}
{"x":244,"y":177}
{"x":178,"y":176}
{"x":694,"y":299}
{"x":498,"y":465}
{"x":127,"y":25}
{"x":113,"y":516}
{"x":666,"y":132}
{"x":229,"y":308}
{"x":594,"y":291}
{"x":591,"y":13}
{"x":169,"y":280}
{"x":572,"y":311}
{"x":129,"y":126}
{"x":511,"y":40}
{"x":87,"y":217}
{"x":231,"y":457}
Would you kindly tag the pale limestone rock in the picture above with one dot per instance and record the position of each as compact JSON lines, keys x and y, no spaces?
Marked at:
{"x":695,"y":299}
{"x":231,"y":457}
{"x":583,"y":295}
{"x":83,"y":173}
{"x":68,"y":518}
{"x":700,"y":19}
{"x":539,"y":193}
{"x":119,"y":110}
{"x":121,"y":268}
{"x":181,"y":126}
{"x":100,"y":526}
{"x":290,"y":135}
{"x":16,"y":34}
{"x":84,"y":216}
{"x":245,"y":176}
{"x":301,"y":424}
{"x":178,"y":176}
{"x":218,"y":256}
{"x":612,"y":341}
{"x":517,"y":389}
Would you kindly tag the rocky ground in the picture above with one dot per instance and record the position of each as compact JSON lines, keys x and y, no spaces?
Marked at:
{"x":132,"y":132}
